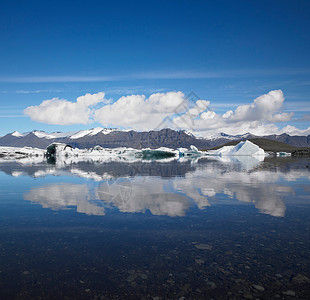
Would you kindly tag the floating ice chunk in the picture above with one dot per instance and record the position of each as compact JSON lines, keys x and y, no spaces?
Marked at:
{"x":284,"y":154}
{"x":193,"y":152}
{"x":244,"y":148}
{"x":63,"y":150}
{"x":19,"y":153}
{"x":247,"y":148}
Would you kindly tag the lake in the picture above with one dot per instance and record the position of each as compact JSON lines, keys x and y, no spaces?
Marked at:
{"x":233,"y":228}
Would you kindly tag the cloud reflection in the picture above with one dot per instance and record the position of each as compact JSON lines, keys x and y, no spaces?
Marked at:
{"x":173,"y":188}
{"x":64,"y":196}
{"x":260,"y":188}
{"x":141,"y":194}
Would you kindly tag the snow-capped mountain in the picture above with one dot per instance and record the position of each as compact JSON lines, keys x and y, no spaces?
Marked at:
{"x":93,"y":131}
{"x":43,"y":134}
{"x":18,"y":134}
{"x":113,"y":138}
{"x":225,"y":136}
{"x":105,"y":137}
{"x":54,"y":135}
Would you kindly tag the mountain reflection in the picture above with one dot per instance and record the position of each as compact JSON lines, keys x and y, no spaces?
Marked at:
{"x":169,"y":189}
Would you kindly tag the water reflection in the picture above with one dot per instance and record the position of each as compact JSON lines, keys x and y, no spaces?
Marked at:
{"x":62,"y":196}
{"x":171,"y":188}
{"x":260,"y":188}
{"x":141,"y":194}
{"x":244,"y":162}
{"x":222,"y":249}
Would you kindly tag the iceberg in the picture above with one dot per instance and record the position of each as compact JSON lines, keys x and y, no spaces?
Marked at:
{"x":8,"y":153}
{"x":281,"y":154}
{"x":130,"y":154}
{"x":122,"y":153}
{"x":67,"y":153}
{"x":193,"y":152}
{"x":244,"y":148}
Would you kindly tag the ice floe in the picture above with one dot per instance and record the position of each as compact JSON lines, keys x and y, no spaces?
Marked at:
{"x":122,"y":154}
{"x":20,"y":153}
{"x":68,"y":154}
{"x":244,"y":148}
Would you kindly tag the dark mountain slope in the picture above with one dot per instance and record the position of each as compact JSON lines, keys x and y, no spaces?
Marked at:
{"x":147,"y":139}
{"x":133,"y":139}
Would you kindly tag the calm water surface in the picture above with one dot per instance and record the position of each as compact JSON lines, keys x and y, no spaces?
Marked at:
{"x":207,"y":229}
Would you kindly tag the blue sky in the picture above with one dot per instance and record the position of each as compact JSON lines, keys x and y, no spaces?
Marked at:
{"x":227,"y":52}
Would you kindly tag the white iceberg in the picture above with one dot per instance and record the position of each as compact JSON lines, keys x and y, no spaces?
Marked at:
{"x":26,"y":154}
{"x":193,"y":152}
{"x":111,"y":154}
{"x":244,"y":148}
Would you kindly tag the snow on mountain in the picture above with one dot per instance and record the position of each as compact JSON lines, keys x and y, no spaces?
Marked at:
{"x":42,"y":134}
{"x":222,"y":135}
{"x":92,"y":131}
{"x":18,"y":134}
{"x":54,"y":135}
{"x":189,"y":133}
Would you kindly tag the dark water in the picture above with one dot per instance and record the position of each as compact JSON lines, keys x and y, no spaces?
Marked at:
{"x":207,"y":229}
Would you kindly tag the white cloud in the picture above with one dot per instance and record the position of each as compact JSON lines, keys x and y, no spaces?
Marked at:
{"x":292,"y":130}
{"x":208,"y":115}
{"x":257,"y":118}
{"x":141,"y":113}
{"x":262,"y":108}
{"x":63,"y":112}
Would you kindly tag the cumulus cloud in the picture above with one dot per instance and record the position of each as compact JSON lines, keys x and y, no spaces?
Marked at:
{"x":292,"y":130}
{"x":63,"y":112}
{"x":141,"y":113}
{"x":265,"y":107}
{"x":257,"y":117}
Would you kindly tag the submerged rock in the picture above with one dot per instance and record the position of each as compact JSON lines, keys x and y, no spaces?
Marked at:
{"x":258,"y":287}
{"x":289,"y":293}
{"x":200,"y":261}
{"x":300,"y":278}
{"x":203,"y":246}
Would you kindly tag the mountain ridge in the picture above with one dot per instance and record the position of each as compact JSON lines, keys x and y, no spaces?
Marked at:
{"x":112,"y":138}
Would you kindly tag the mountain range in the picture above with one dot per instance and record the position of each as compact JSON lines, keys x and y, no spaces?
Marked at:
{"x":112,"y":138}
